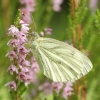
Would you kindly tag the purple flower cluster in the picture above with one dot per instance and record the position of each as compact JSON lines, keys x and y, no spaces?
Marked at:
{"x":67,"y":90}
{"x":19,"y":66}
{"x":48,"y":31}
{"x":93,"y":4}
{"x":63,"y":89}
{"x":28,"y":9}
{"x":26,"y":70}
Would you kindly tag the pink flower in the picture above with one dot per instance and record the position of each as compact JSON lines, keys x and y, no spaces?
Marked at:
{"x":24,"y":78}
{"x":22,"y":50}
{"x":25,"y":70}
{"x":46,"y":87}
{"x":24,"y":27}
{"x":28,"y":2}
{"x":13,"y":42}
{"x":33,"y":70}
{"x":67,"y":91}
{"x":29,"y":7}
{"x":57,"y":4}
{"x":42,"y":33}
{"x":13,"y":30}
{"x":27,"y":16}
{"x":48,"y":30}
{"x":23,"y":62}
{"x":34,"y":65}
{"x":93,"y":4}
{"x":12,"y":69}
{"x":12,"y":55}
{"x":28,"y":80}
{"x":22,"y":1}
{"x":22,"y":38}
{"x":57,"y":86}
{"x":11,"y":86}
{"x":57,"y":8}
{"x":33,"y":75}
{"x":19,"y":52}
{"x":69,"y":84}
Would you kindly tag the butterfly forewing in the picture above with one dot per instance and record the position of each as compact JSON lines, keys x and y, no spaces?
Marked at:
{"x":60,"y":61}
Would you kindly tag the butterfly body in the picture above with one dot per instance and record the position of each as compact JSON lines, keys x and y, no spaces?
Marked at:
{"x":59,"y":61}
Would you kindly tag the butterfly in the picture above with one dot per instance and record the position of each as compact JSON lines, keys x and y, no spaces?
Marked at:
{"x":59,"y":61}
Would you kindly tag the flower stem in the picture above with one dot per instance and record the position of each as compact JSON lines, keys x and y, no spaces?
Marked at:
{"x":72,"y":10}
{"x":73,"y":6}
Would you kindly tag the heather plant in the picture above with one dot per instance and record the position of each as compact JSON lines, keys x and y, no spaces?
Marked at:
{"x":75,"y":22}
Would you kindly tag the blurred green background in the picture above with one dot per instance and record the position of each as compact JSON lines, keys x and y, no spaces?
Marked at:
{"x":65,"y":27}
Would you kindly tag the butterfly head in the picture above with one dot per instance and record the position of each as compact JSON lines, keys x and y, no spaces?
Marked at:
{"x":34,"y":35}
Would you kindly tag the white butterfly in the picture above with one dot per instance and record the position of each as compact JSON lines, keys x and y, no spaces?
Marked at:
{"x":59,"y":61}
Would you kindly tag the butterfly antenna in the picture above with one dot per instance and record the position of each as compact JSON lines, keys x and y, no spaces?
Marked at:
{"x":33,"y":22}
